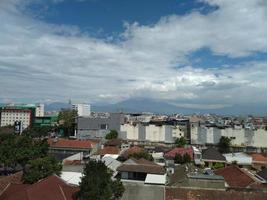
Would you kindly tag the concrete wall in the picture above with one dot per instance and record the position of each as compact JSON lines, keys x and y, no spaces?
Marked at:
{"x":140,"y":191}
{"x":240,"y":137}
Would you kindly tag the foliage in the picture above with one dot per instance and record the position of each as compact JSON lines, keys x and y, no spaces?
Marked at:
{"x":180,"y":142}
{"x":7,"y":129}
{"x":182,"y":159}
{"x":38,"y":132}
{"x":186,"y":158}
{"x":178,"y":159}
{"x":41,"y":168}
{"x":18,"y":150}
{"x":113,"y":134}
{"x":224,"y":144}
{"x":142,"y":154}
{"x":96,"y":184}
{"x":218,"y":165}
{"x":66,"y":120}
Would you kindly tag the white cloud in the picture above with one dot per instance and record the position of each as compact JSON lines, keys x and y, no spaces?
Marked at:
{"x":39,"y":60}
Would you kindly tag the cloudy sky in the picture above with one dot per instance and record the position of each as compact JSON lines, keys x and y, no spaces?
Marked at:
{"x":202,"y":53}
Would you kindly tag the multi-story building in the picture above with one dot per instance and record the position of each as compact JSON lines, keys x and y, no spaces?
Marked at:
{"x":10,"y":114}
{"x":83,"y":110}
{"x":98,"y":126}
{"x":149,"y":132}
{"x":39,"y":112}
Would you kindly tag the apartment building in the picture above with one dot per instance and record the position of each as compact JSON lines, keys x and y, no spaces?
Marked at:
{"x":83,"y":110}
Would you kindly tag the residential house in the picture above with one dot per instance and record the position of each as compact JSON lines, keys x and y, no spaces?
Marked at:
{"x":235,"y":177}
{"x":211,"y":156}
{"x":142,"y":170}
{"x":258,"y":160}
{"x":50,"y":188}
{"x":181,"y":151}
{"x":242,"y":159}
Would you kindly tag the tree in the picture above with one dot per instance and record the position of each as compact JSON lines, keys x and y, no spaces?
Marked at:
{"x":96,"y":184}
{"x":142,"y":154}
{"x":186,"y":158}
{"x":66,"y":120}
{"x":178,"y":159}
{"x":38,"y":132}
{"x":180,"y":142}
{"x":224,"y":144}
{"x":18,"y":150}
{"x":113,"y":134}
{"x":41,"y":168}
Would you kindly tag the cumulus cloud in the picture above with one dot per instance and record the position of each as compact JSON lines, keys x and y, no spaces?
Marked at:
{"x":40,"y":60}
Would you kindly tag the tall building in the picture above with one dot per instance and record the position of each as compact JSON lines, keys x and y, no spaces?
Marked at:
{"x":83,"y":110}
{"x":39,"y":112}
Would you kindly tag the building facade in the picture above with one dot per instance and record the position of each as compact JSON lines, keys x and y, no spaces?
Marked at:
{"x":83,"y":110}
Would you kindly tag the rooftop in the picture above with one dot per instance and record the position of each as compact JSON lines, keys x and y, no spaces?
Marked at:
{"x":66,"y":143}
{"x":235,"y":177}
{"x":212,"y":154}
{"x":179,"y":150}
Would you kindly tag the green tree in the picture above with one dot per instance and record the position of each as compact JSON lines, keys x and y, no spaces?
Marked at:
{"x":66,"y":120}
{"x":180,"y":142}
{"x":96,"y":184}
{"x":18,"y":150}
{"x":186,"y":158}
{"x":41,"y":168}
{"x":224,"y":144}
{"x":38,"y":132}
{"x":178,"y":159}
{"x":218,"y":165}
{"x":113,"y":134}
{"x":142,"y":154}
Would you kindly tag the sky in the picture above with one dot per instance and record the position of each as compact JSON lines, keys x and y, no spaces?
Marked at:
{"x":192,"y":53}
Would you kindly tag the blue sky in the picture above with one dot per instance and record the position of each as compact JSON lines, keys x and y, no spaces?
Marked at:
{"x":194,"y":53}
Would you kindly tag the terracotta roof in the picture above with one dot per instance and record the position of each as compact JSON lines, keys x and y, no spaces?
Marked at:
{"x":108,"y":150}
{"x":212,"y":154}
{"x":15,"y":192}
{"x":181,"y":151}
{"x":50,"y":188}
{"x":234,"y":176}
{"x":263,"y":173}
{"x":142,"y":166}
{"x":14,"y":178}
{"x":65,"y":143}
{"x":258,"y":158}
{"x":114,"y":142}
{"x":198,"y":194}
{"x":132,"y":150}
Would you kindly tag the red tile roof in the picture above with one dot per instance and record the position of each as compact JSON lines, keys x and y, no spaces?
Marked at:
{"x":132,"y":150}
{"x":14,"y":178}
{"x":50,"y":188}
{"x":108,"y":150}
{"x":65,"y":143}
{"x":258,"y":158}
{"x":181,"y":151}
{"x":198,"y":194}
{"x":234,"y":176}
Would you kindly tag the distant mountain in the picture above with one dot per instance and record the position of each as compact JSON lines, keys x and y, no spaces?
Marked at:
{"x":156,"y":106}
{"x":56,"y":106}
{"x":137,"y":105}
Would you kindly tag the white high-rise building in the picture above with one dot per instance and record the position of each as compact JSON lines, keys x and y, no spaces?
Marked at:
{"x":39,"y":112}
{"x":83,"y":110}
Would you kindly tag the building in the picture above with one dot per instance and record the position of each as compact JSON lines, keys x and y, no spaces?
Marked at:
{"x":235,"y":177}
{"x":147,"y":132}
{"x":83,"y":110}
{"x":39,"y":112}
{"x":66,"y":146}
{"x":142,"y":170}
{"x":46,"y":121}
{"x":211,"y":156}
{"x":96,"y":127}
{"x":240,"y":158}
{"x":50,"y":188}
{"x":240,"y":137}
{"x":23,"y":114}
